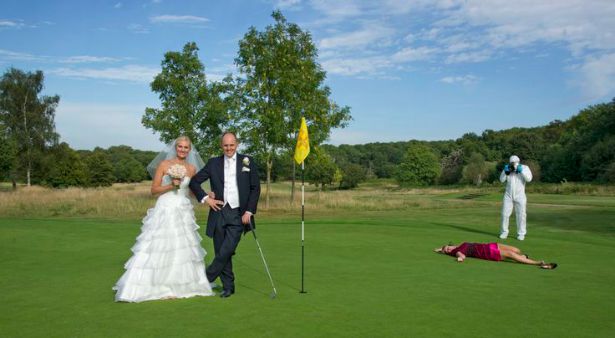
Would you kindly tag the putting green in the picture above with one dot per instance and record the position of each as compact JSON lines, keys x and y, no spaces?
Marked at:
{"x":368,"y":274}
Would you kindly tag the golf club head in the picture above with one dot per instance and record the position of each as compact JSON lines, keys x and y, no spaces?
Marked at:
{"x":273,"y":294}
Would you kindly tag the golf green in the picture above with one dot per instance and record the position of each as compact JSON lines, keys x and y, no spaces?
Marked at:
{"x":367,"y":274}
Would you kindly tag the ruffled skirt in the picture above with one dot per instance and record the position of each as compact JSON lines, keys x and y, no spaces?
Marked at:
{"x":167,"y":260}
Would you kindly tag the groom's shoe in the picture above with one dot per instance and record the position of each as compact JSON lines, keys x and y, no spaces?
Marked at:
{"x":226,"y":293}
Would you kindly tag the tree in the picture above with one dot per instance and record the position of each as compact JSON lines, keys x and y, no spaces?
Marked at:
{"x":320,"y":168}
{"x":100,"y":169}
{"x":281,"y":83}
{"x":420,"y":166}
{"x":352,"y":175}
{"x":452,"y":166}
{"x":476,"y":170}
{"x":609,"y":174}
{"x":584,"y":150}
{"x":535,"y":169}
{"x":191,"y":106}
{"x":8,"y":154}
{"x":127,"y":169}
{"x":596,"y":161}
{"x":64,"y":167}
{"x":28,"y":118}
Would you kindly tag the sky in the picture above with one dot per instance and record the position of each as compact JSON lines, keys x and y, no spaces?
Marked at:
{"x":408,"y":69}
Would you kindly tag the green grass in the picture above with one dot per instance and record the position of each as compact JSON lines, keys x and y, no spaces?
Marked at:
{"x":368,"y":274}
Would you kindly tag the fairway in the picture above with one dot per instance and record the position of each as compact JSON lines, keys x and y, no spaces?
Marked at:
{"x":368,"y":274}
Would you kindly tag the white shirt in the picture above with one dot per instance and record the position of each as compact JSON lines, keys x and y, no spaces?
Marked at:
{"x":231,"y":191}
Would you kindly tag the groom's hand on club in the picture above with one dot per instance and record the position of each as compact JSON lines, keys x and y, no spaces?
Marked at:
{"x":245,"y":219}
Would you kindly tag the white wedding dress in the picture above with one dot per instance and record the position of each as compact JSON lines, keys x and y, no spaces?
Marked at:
{"x":168,"y":257}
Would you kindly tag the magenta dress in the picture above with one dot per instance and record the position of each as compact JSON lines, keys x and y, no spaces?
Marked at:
{"x":487,"y":251}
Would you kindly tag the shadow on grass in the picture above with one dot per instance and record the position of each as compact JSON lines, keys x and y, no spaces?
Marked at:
{"x":466,"y":229}
{"x":598,"y":221}
{"x":263,"y":273}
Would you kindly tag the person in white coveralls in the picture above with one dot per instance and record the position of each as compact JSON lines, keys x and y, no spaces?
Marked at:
{"x":516,"y":175}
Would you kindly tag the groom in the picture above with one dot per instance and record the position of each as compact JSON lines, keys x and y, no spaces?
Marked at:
{"x":234,"y":180}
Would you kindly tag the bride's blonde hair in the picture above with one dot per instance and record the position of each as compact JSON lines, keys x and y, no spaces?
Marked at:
{"x":184,"y":138}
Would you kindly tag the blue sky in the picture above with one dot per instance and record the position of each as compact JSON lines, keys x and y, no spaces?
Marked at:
{"x":409,"y":69}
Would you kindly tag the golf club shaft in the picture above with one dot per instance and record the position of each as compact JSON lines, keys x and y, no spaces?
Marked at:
{"x":263,"y":257}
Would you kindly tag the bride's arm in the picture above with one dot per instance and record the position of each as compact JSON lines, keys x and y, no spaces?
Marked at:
{"x":157,"y":187}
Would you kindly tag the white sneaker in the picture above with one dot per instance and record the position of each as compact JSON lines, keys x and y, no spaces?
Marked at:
{"x":503,"y":235}
{"x":521,"y":237}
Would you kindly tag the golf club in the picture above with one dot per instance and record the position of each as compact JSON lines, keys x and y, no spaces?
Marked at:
{"x":274,"y":293}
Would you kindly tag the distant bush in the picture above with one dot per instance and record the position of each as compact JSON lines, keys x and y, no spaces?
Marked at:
{"x":420,"y":166}
{"x":352,"y":175}
{"x":100,"y":169}
{"x":65,"y":168}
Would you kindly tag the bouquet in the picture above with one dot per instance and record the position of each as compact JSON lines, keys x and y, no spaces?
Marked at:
{"x":177,"y":171}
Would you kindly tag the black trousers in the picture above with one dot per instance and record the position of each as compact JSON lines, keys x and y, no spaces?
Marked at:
{"x":227,"y":235}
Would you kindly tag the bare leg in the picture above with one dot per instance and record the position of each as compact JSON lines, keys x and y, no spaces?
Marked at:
{"x":509,"y":248}
{"x":505,"y":253}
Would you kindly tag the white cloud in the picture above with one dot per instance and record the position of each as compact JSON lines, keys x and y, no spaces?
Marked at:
{"x":334,"y":12}
{"x":286,"y":4}
{"x":456,"y":31}
{"x":129,"y":73}
{"x":578,"y":23}
{"x":14,"y":24}
{"x":370,"y":36}
{"x":218,"y":73}
{"x":88,"y":125}
{"x":138,"y":29}
{"x":89,"y":59}
{"x":475,"y":56}
{"x":118,"y":5}
{"x":414,"y":54}
{"x":19,"y":56}
{"x":181,"y":19}
{"x":465,"y":79}
{"x":356,"y":66}
{"x":10,"y":24}
{"x":598,"y":76}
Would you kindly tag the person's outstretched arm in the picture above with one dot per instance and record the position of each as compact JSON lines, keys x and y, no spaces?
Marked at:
{"x":460,"y":256}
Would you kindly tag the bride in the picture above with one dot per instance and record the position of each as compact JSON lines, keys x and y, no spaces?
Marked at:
{"x":167,"y":260}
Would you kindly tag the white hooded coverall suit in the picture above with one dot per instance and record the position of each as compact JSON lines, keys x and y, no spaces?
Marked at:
{"x":515,"y":194}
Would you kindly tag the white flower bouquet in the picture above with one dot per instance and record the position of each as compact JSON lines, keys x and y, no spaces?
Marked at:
{"x":177,"y":172}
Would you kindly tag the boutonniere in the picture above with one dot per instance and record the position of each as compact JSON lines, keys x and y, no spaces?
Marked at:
{"x":246,"y":161}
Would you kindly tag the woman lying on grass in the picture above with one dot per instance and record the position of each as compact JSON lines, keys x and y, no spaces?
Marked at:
{"x":491,"y":252}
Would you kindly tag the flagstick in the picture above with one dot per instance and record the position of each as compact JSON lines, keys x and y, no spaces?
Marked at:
{"x":302,"y":224}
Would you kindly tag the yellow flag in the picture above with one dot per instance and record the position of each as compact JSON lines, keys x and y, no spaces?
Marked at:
{"x":302,"y":149}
